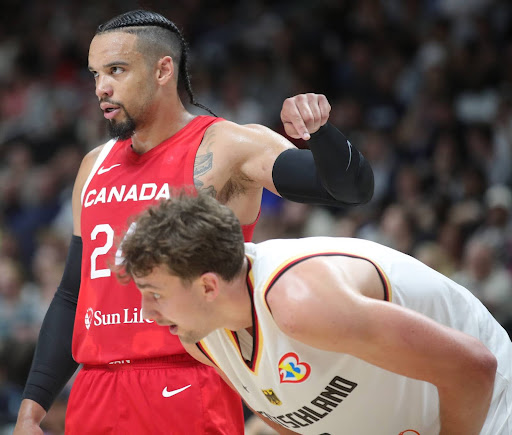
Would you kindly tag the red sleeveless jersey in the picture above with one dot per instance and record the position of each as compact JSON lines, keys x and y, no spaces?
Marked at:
{"x":108,"y":323}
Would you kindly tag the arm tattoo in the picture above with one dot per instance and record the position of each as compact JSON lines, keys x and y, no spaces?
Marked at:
{"x":202,"y":165}
{"x":210,"y":191}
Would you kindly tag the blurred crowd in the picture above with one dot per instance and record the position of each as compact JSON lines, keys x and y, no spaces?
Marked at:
{"x":422,"y":87}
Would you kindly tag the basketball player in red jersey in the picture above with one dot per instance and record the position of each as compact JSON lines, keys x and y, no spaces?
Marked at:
{"x":136,"y":377}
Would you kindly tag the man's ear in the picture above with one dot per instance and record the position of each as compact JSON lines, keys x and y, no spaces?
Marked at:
{"x":211,"y":285}
{"x":165,"y":69}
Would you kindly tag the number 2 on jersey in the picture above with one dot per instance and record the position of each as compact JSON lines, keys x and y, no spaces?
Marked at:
{"x":101,"y":250}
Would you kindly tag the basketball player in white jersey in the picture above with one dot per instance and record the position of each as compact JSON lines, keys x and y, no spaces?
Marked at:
{"x":323,"y":335}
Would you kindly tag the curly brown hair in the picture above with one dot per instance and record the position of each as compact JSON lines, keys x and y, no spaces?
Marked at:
{"x":190,"y":234}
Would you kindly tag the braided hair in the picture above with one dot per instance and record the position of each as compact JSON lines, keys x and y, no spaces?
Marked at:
{"x":159,"y":31}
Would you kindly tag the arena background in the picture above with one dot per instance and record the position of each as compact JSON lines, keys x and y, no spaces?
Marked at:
{"x":423,"y":88}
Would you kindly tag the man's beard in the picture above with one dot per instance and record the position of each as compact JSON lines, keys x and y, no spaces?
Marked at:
{"x":122,"y":130}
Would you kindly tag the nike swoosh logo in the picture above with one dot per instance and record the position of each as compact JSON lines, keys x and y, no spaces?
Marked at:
{"x":102,"y":170}
{"x":166,"y":393}
{"x":350,"y":156}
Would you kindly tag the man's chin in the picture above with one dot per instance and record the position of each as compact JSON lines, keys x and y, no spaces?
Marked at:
{"x":187,"y":339}
{"x":121,"y":130}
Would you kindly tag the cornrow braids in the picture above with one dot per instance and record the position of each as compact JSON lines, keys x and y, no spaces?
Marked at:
{"x":143,"y":18}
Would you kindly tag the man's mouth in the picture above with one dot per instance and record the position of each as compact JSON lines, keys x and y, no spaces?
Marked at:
{"x":110,"y":112}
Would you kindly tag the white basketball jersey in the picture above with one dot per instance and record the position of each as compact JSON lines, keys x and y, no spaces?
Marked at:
{"x":311,"y":391}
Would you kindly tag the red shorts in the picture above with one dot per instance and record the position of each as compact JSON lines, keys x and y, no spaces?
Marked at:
{"x":174,"y":396}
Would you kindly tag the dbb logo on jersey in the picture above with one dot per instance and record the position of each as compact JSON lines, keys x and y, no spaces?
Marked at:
{"x":292,"y":370}
{"x":271,"y":396}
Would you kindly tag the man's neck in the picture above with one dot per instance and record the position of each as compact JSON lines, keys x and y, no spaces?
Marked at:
{"x":238,"y":310}
{"x":160,"y":129}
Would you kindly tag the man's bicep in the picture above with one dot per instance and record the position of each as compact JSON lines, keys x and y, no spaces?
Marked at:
{"x":324,"y":292}
{"x":379,"y":332}
{"x":409,"y":343}
{"x":261,"y":147}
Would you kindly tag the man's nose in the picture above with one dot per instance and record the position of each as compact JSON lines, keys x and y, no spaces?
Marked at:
{"x":148,"y":311}
{"x":103,"y":87}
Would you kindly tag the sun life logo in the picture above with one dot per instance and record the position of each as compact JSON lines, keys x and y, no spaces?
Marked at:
{"x":88,"y":317}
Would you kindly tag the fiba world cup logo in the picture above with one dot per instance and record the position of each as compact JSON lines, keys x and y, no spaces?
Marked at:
{"x":88,"y":317}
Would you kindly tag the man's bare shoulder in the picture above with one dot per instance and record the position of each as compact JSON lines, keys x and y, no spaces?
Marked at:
{"x":87,"y":164}
{"x":248,"y":137}
{"x":83,"y":173}
{"x":305,"y":289}
{"x":94,"y":153}
{"x":232,"y":128}
{"x":88,"y":161}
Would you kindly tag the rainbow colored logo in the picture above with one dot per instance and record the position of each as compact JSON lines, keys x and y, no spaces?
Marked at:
{"x":292,"y":370}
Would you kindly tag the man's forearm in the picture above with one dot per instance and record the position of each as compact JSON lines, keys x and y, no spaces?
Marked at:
{"x":332,"y":172}
{"x":464,"y":409}
{"x":53,"y":363}
{"x":343,"y":170}
{"x":29,"y":419}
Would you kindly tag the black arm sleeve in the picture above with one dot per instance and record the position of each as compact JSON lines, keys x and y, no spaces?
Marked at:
{"x":331,"y":172}
{"x":53,"y":364}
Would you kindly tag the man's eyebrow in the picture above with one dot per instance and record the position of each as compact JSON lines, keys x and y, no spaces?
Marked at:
{"x":143,"y":286}
{"x":110,"y":64}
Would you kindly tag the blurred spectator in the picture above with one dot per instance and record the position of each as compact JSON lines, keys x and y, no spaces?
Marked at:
{"x":47,"y":268}
{"x":450,"y":237}
{"x":39,"y":205}
{"x":378,"y":149}
{"x":15,"y":360}
{"x":487,"y":279}
{"x":434,"y":256}
{"x":496,"y":228}
{"x":485,"y":154}
{"x":395,"y":229}
{"x":235,"y":105}
{"x":19,"y":304}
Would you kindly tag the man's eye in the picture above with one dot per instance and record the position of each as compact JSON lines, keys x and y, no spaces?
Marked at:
{"x":117,"y":70}
{"x":156,"y":296}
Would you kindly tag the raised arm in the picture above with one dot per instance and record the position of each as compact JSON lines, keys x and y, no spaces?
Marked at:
{"x":319,"y":292}
{"x":333,"y":165}
{"x":331,"y":172}
{"x":53,"y":364}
